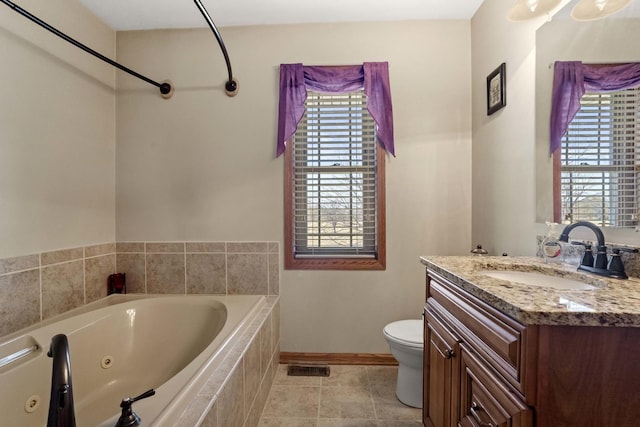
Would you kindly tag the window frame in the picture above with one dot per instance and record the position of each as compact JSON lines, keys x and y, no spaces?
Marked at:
{"x":333,"y":262}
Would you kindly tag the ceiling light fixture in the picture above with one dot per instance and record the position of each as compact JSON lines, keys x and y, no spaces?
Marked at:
{"x":591,"y":10}
{"x":529,"y":9}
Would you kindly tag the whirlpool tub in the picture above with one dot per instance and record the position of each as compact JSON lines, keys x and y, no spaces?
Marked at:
{"x":120,"y":347}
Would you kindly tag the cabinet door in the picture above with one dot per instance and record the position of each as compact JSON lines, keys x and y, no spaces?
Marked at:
{"x":485,"y":400}
{"x":441,"y":362}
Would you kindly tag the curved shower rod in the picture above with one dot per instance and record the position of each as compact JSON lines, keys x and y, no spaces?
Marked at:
{"x":166,"y":90}
{"x":231,"y":87}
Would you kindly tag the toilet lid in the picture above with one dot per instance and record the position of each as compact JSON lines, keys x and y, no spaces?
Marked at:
{"x":409,"y":332}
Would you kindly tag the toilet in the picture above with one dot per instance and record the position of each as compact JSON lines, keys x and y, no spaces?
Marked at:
{"x":405,"y":338}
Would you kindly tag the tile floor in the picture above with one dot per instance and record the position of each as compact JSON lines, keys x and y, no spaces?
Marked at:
{"x":353,"y":395}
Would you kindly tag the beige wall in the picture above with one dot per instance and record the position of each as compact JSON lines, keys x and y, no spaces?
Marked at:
{"x":503,"y":218}
{"x":201,"y":165}
{"x":57,"y":131}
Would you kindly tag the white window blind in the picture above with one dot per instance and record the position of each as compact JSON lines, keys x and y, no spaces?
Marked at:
{"x":334,"y":178}
{"x":600,"y":160}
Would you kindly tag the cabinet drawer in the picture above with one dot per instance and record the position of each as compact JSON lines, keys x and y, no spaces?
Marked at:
{"x":485,"y":401}
{"x":495,"y":336}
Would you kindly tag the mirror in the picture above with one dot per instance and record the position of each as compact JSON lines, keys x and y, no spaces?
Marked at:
{"x":610,"y":40}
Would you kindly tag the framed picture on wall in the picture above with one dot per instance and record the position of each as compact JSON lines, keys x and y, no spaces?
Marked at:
{"x":496,"y":89}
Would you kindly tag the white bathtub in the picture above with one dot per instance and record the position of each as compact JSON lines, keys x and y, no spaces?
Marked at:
{"x":120,"y":347}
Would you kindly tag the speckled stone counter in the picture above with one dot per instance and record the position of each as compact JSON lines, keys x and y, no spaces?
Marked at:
{"x":614,"y":303}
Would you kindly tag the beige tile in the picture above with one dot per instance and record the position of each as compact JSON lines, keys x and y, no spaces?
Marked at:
{"x":265,"y":343}
{"x":26,"y":262}
{"x":247,"y":274}
{"x":252,"y":372}
{"x":133,"y":265}
{"x":62,"y":288}
{"x":19,"y":300}
{"x":259,"y":403}
{"x":164,"y":247}
{"x":347,"y":376}
{"x":275,"y":327}
{"x":382,"y":375}
{"x":231,"y":412}
{"x":211,"y":419}
{"x":274,"y":247}
{"x":211,"y":247}
{"x":129,"y":247}
{"x":346,"y":402}
{"x":63,"y":255}
{"x":288,"y":422}
{"x":388,"y":407}
{"x":247,"y":247}
{"x":274,"y":274}
{"x":165,"y":274}
{"x":292,"y":401}
{"x":347,"y":423}
{"x":101,"y":249}
{"x":96,"y":272}
{"x":206,"y":273}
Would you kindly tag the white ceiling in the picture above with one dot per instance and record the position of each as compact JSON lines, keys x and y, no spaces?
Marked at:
{"x":154,"y":14}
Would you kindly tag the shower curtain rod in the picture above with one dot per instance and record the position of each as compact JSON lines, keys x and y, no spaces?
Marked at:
{"x":165,"y":87}
{"x":166,"y":90}
{"x":231,"y":87}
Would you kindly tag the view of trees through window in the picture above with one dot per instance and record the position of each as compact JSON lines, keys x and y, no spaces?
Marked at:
{"x":600,"y":160}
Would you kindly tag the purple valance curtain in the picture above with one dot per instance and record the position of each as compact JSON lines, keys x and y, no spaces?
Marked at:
{"x":572,"y":79}
{"x":295,"y":79}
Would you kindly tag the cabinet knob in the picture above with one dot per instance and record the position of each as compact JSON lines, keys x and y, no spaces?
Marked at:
{"x":448,"y":353}
{"x":475,"y":408}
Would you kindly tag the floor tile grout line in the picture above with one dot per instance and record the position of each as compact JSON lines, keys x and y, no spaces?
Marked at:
{"x":373,"y":402}
{"x":319,"y":401}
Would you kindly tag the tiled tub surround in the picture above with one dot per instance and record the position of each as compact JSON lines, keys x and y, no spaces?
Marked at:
{"x":39,"y":286}
{"x":236,"y":393}
{"x":201,"y":355}
{"x":613,"y":303}
{"x":234,"y":268}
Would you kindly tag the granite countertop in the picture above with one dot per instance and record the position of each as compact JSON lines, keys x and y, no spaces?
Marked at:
{"x":613,"y":302}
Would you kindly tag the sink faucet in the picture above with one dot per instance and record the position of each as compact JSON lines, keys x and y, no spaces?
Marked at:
{"x":600,"y":261}
{"x":61,"y":411}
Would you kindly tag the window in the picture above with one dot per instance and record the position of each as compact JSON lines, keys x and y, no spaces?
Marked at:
{"x":597,"y":173}
{"x":334,"y":191}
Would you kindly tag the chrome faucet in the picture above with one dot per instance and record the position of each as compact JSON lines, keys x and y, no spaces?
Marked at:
{"x":61,"y":410}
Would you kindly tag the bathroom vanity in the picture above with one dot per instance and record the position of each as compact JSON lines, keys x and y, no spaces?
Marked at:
{"x":502,"y":353}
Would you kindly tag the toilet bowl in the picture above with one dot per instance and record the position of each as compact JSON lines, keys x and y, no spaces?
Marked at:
{"x":405,"y":338}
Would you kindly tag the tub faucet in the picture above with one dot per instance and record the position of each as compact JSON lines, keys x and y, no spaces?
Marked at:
{"x":599,"y":264}
{"x":61,"y":410}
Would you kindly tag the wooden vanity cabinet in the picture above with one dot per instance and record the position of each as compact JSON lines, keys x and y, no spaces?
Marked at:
{"x":484,"y":369}
{"x":443,"y":350}
{"x":460,"y":387}
{"x":485,"y":400}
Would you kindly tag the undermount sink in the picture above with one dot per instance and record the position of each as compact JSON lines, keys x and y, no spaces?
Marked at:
{"x":538,"y":279}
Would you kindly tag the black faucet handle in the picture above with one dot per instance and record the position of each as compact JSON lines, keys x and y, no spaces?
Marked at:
{"x":615,"y":265}
{"x":128,"y":418}
{"x":144,"y":395}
